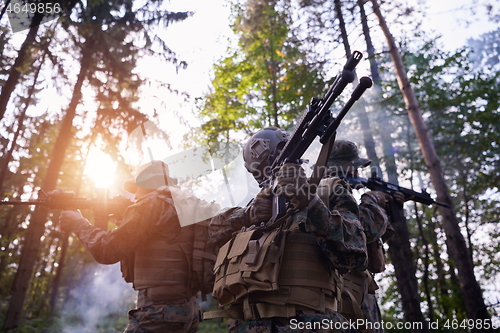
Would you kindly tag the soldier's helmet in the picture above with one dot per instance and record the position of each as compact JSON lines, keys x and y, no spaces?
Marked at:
{"x":344,"y":158}
{"x":152,"y":175}
{"x":261,"y":150}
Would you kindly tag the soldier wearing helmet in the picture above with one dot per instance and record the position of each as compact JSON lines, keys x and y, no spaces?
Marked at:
{"x":263,"y":270}
{"x":261,"y":150}
{"x":344,"y":161}
{"x":154,"y":246}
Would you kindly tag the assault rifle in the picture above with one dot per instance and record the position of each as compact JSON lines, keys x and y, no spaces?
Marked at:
{"x":317,"y":121}
{"x":394,"y":210}
{"x":102,"y":206}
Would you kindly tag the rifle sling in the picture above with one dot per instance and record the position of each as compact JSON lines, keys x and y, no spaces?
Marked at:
{"x":318,"y":172}
{"x":319,"y":167}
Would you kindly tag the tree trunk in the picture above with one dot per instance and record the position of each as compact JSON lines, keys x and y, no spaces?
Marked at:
{"x":57,"y":278}
{"x":22,"y":57}
{"x":426,"y":263}
{"x":370,"y":49}
{"x":8,"y":226}
{"x":442,"y":287}
{"x":399,"y":245}
{"x":368,"y":140}
{"x":466,"y":200}
{"x":457,"y":249}
{"x":36,"y":228}
{"x":4,"y":9}
{"x":404,"y":266}
{"x":272,"y":68}
{"x":425,"y":242}
{"x":4,"y":168}
{"x":65,"y":239}
{"x":385,"y":135}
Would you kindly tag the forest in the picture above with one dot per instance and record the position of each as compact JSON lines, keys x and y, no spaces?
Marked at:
{"x":94,"y":89}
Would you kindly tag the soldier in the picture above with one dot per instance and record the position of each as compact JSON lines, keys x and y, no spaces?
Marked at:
{"x":153,"y":250}
{"x":284,"y":276}
{"x":344,"y":161}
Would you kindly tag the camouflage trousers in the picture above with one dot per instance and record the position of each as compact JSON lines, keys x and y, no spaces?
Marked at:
{"x":306,"y":321}
{"x":179,"y":316}
{"x":371,"y":311}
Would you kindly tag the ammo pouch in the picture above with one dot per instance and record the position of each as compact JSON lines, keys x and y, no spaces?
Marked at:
{"x":258,"y":278}
{"x":376,"y":256}
{"x":247,"y":263}
{"x":356,"y":285}
{"x":356,"y":282}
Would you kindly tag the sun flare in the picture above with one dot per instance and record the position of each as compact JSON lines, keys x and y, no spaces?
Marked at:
{"x":100,"y":168}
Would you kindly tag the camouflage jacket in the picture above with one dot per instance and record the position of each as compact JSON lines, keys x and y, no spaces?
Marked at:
{"x":374,"y":220}
{"x":338,"y":231}
{"x":141,"y":222}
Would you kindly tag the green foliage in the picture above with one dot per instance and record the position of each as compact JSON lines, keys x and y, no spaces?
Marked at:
{"x":462,"y":110}
{"x":486,"y":51}
{"x":459,"y":101}
{"x":213,"y":326}
{"x":106,"y":38}
{"x":267,"y":80}
{"x":216,"y":325}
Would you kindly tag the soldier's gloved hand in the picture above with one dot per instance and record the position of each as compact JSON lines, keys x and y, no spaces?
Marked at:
{"x":398,"y":197}
{"x":292,"y":182}
{"x":71,"y":220}
{"x":376,"y":197}
{"x":260,"y":209}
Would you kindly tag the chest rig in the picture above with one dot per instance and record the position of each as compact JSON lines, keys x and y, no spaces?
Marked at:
{"x":273,"y":272}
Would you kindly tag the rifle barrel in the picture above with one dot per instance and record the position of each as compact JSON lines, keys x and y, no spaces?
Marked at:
{"x":19,"y":202}
{"x":442,"y":204}
{"x":113,"y":205}
{"x":313,"y":124}
{"x":380,"y":185}
{"x":364,"y":83}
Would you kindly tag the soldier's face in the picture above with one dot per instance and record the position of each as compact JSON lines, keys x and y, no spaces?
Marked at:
{"x":261,"y":171}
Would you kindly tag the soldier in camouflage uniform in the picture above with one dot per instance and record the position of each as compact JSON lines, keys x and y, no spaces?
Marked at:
{"x":319,"y":246}
{"x":152,"y":249}
{"x":344,"y":161}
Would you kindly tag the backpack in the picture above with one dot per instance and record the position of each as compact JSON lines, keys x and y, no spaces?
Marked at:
{"x":203,"y":260}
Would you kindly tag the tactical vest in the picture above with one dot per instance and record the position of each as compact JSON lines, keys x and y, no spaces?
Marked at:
{"x":263,"y":273}
{"x":176,"y":270}
{"x":164,"y":269}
